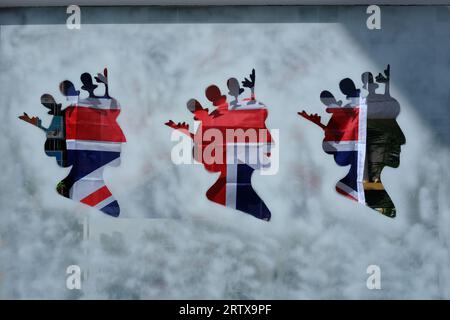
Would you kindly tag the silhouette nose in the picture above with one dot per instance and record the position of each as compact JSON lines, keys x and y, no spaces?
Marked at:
{"x":403,"y":138}
{"x":400,"y":137}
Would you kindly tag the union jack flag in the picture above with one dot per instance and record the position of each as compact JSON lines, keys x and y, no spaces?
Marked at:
{"x":345,"y":138}
{"x":93,"y":139}
{"x":234,"y":141}
{"x":243,"y":152}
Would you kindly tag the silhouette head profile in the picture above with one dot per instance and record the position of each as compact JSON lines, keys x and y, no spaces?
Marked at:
{"x":364,"y":135}
{"x":215,"y":147}
{"x":384,"y":140}
{"x":86,"y":137}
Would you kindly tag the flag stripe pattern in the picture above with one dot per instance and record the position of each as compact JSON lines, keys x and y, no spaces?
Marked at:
{"x":345,"y":138}
{"x":243,"y":153}
{"x":93,"y":139}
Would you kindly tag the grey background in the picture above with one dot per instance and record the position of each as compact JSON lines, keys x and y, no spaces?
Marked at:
{"x":171,"y":242}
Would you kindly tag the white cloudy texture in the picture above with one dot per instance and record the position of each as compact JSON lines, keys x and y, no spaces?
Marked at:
{"x":170,"y":241}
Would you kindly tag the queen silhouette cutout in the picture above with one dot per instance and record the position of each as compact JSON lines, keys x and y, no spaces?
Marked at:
{"x":86,"y":137}
{"x":231,"y":140}
{"x":364,"y":135}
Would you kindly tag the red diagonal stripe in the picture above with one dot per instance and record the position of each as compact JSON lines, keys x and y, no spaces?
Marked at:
{"x":97,"y":196}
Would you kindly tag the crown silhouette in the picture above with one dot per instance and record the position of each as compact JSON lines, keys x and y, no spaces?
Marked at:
{"x":220,"y":102}
{"x":215,"y":96}
{"x":380,"y":106}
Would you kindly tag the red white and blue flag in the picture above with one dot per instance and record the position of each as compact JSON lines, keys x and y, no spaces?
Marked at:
{"x":345,"y":138}
{"x":94,"y":141}
{"x":243,"y":152}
